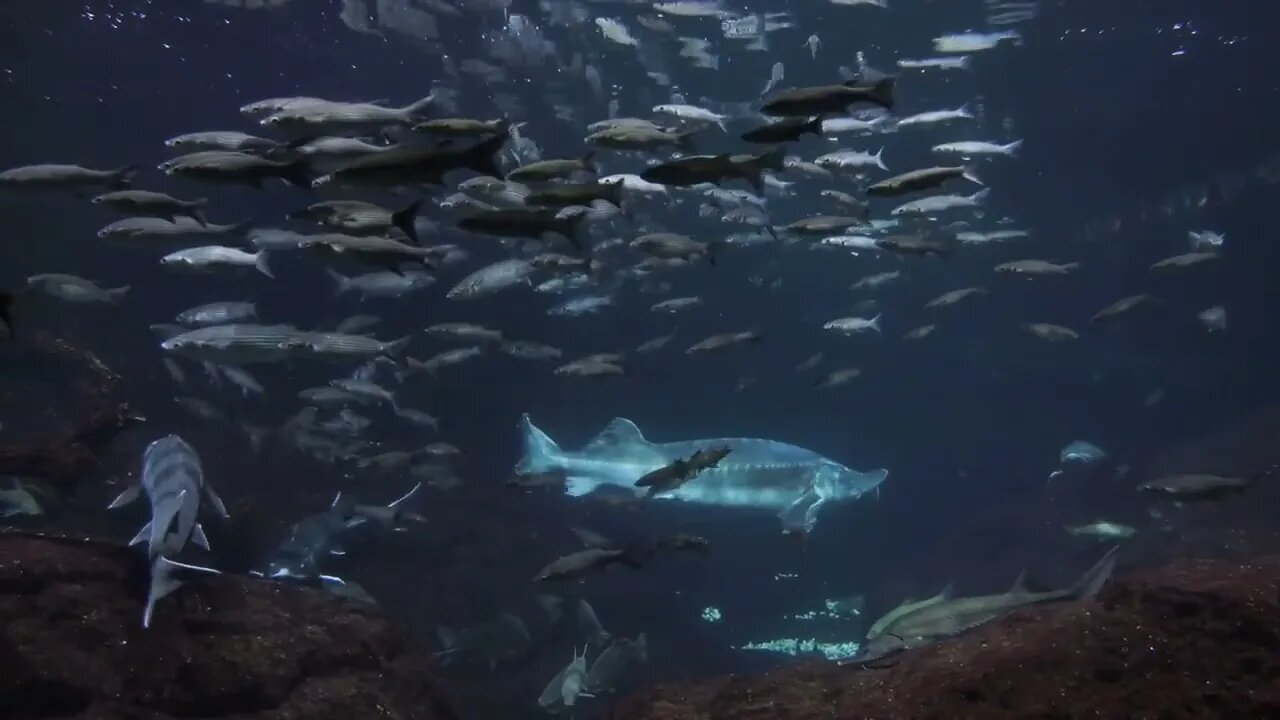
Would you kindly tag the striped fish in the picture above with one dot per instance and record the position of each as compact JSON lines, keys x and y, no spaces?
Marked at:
{"x":173,"y":480}
{"x":239,"y":344}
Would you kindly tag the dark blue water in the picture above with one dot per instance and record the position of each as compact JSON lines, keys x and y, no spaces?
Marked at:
{"x":1118,"y":129}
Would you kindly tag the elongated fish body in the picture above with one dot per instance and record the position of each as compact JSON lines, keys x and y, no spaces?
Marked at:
{"x":239,"y":343}
{"x":757,"y":473}
{"x":173,"y":480}
{"x":310,"y":541}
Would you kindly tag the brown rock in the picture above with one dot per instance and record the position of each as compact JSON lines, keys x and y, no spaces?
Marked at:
{"x":72,"y":645}
{"x":1199,"y":639}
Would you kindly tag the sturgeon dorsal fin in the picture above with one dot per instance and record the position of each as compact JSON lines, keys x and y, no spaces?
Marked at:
{"x":619,"y":431}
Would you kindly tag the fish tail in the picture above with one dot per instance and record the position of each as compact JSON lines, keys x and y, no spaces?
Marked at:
{"x":971,"y":176}
{"x":166,"y":576}
{"x":483,"y":158}
{"x":395,"y":347}
{"x":405,"y":220}
{"x":1012,"y":148}
{"x":117,"y":294}
{"x":421,"y":106}
{"x":343,"y":282}
{"x":882,"y":92}
{"x":297,"y":173}
{"x":981,"y":196}
{"x":1095,"y":577}
{"x":569,"y":227}
{"x":589,"y":162}
{"x":196,"y":212}
{"x":879,"y":158}
{"x":815,"y":125}
{"x":541,"y":453}
{"x":260,"y":262}
{"x":123,"y":177}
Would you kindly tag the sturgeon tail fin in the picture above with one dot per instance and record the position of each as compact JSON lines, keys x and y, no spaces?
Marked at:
{"x":167,"y":576}
{"x":1092,"y":581}
{"x":541,"y":453}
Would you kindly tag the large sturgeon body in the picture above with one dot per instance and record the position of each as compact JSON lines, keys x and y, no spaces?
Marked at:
{"x":766,"y":474}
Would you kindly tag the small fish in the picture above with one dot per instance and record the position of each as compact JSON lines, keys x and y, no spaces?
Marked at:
{"x":853,"y":325}
{"x":836,"y":378}
{"x":76,"y":289}
{"x":1195,"y":487}
{"x":969,"y":42}
{"x":154,"y":204}
{"x":979,"y":149}
{"x":920,"y":333}
{"x":582,"y":563}
{"x":212,"y":256}
{"x":951,"y":298}
{"x":72,"y":178}
{"x":1214,"y":319}
{"x":1119,"y":307}
{"x":1036,"y":267}
{"x":1103,"y":530}
{"x":1185,"y":260}
{"x":1050,"y":332}
{"x":724,"y":341}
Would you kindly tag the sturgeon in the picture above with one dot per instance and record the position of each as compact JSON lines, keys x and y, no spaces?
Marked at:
{"x":770,"y":475}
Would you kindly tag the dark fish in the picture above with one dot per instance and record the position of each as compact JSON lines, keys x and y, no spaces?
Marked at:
{"x":715,"y":169}
{"x":560,"y":196}
{"x":578,"y":565}
{"x":789,"y":130}
{"x":680,"y":471}
{"x":1196,"y":486}
{"x":415,"y":165}
{"x":912,"y":245}
{"x":523,"y":222}
{"x":830,"y":99}
{"x":917,"y":180}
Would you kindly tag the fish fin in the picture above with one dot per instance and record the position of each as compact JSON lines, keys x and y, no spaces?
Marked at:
{"x":395,"y":347}
{"x":123,"y":177}
{"x":343,"y":282}
{"x":541,"y":453}
{"x":130,"y":494}
{"x":198,"y":537}
{"x":794,"y":516}
{"x":141,"y":535}
{"x":946,"y":593}
{"x":261,"y":264}
{"x":980,"y":196}
{"x":619,"y":432}
{"x":405,"y":220}
{"x":218,"y":505}
{"x":483,"y":157}
{"x":1012,"y":148}
{"x":578,"y":486}
{"x":117,"y":294}
{"x":1095,"y":577}
{"x":971,"y":177}
{"x":1019,"y":584}
{"x":296,"y":173}
{"x":881,"y":92}
{"x":166,"y":576}
{"x":406,"y":496}
{"x":421,"y":106}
